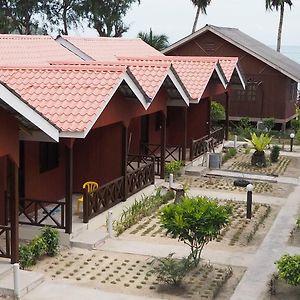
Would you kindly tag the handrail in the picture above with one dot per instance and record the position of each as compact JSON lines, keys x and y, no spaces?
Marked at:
{"x":6,"y":230}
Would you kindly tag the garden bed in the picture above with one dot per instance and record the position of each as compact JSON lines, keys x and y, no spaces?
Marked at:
{"x":242,"y":163}
{"x":132,"y":274}
{"x":240,"y":231}
{"x":226,"y":184}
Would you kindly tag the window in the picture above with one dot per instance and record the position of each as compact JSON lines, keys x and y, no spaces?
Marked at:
{"x":48,"y":156}
{"x":293,"y":91}
{"x":249,"y":94}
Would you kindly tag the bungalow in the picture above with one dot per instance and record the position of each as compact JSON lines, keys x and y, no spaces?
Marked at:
{"x":271,"y":77}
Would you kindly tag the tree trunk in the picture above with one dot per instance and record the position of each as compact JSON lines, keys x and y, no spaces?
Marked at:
{"x":280,"y":27}
{"x":258,"y":159}
{"x":65,"y":19}
{"x":196,"y":19}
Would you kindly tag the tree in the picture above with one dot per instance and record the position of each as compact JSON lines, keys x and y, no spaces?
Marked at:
{"x":259,"y":143}
{"x":195,"y":221}
{"x":157,"y":41}
{"x":201,"y":7}
{"x":278,"y":5}
{"x":19,"y":16}
{"x":65,"y":12}
{"x":106,"y":16}
{"x":217,"y":112}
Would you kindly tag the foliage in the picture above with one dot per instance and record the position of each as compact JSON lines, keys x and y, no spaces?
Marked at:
{"x":157,"y":41}
{"x":173,"y":167}
{"x":170,"y":270}
{"x":140,"y":209}
{"x":268,"y":123}
{"x":278,"y":5}
{"x":289,"y":269}
{"x":38,"y":247}
{"x":275,"y":153}
{"x":26,"y":256}
{"x":229,"y":154}
{"x":195,"y":221}
{"x":297,"y":135}
{"x":201,"y":7}
{"x":106,"y":16}
{"x":217,"y":112}
{"x":244,"y":128}
{"x":51,"y":237}
{"x":261,"y":142}
{"x":295,"y":124}
{"x":298,"y":222}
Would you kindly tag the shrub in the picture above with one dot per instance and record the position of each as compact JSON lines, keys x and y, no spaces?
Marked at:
{"x":38,"y":247}
{"x":268,"y":123}
{"x":297,"y":136}
{"x":51,"y":238}
{"x":289,"y":269}
{"x":229,"y":154}
{"x":217,"y":112}
{"x":298,"y":222}
{"x":173,"y":167}
{"x":275,"y":153}
{"x":295,"y":124}
{"x":195,"y":221}
{"x":170,"y":270}
{"x":26,"y":257}
{"x":261,"y":142}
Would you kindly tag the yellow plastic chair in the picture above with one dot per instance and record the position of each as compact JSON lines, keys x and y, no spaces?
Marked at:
{"x":90,"y":185}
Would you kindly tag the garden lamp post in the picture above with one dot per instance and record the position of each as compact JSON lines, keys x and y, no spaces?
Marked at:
{"x":292,"y":135}
{"x":249,"y":189}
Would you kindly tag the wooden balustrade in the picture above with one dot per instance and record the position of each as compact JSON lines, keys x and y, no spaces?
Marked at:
{"x":218,"y":136}
{"x":103,"y":198}
{"x":5,"y":251}
{"x":42,"y":213}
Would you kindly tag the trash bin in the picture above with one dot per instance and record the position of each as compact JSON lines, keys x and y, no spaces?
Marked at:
{"x":214,"y":161}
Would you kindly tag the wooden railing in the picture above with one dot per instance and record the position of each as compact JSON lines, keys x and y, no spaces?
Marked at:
{"x":42,"y":213}
{"x":5,"y":237}
{"x":140,"y":178}
{"x":103,"y":198}
{"x":218,"y":136}
{"x":199,"y":146}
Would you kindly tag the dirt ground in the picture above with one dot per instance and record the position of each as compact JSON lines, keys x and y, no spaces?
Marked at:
{"x":131,"y":274}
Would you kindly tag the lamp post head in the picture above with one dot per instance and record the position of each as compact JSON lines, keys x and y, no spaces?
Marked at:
{"x":249,"y":187}
{"x":292,"y":135}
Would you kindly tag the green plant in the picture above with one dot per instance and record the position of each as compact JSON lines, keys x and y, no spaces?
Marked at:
{"x":26,"y":257}
{"x":38,"y":247}
{"x":140,"y":209}
{"x":275,"y":153}
{"x":51,"y":238}
{"x":217,"y":112}
{"x":170,"y":270}
{"x":195,"y":221}
{"x":173,"y":167}
{"x":297,"y":136}
{"x":295,"y":124}
{"x":298,"y":222}
{"x":288,"y":267}
{"x":229,"y":154}
{"x":268,"y":123}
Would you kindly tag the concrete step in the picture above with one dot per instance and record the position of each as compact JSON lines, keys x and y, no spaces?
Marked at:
{"x":28,"y":281}
{"x":5,"y":268}
{"x":90,"y":239}
{"x":195,"y":170}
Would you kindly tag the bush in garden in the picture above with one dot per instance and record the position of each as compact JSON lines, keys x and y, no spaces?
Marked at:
{"x":288,"y":267}
{"x":195,"y":221}
{"x":38,"y":247}
{"x":229,"y":154}
{"x":51,"y":238}
{"x":173,"y":167}
{"x":268,"y":123}
{"x":26,"y":257}
{"x":274,"y":156}
{"x":217,"y":112}
{"x":295,"y":124}
{"x":297,"y":136}
{"x":170,"y":270}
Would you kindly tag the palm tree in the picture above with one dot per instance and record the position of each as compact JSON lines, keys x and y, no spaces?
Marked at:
{"x":159,"y":42}
{"x":278,"y":5}
{"x":201,"y":7}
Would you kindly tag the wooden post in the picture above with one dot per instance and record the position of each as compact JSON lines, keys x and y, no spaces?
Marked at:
{"x":12,"y":172}
{"x":69,"y":187}
{"x":209,"y":117}
{"x":125,"y":158}
{"x":227,"y":116}
{"x":85,"y":206}
{"x":163,"y":145}
{"x":185,"y":133}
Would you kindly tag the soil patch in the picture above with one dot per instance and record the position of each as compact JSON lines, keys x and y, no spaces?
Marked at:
{"x":226,"y":184}
{"x":132,"y":274}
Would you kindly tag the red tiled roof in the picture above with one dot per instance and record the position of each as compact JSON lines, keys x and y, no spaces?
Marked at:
{"x":149,"y":75}
{"x":31,"y":49}
{"x":106,"y":49}
{"x":194,"y":73}
{"x":70,"y":97}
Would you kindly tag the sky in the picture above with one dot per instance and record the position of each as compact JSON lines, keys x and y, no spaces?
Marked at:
{"x":175,"y":19}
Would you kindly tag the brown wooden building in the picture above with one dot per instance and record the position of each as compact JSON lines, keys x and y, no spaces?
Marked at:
{"x":272,"y":78}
